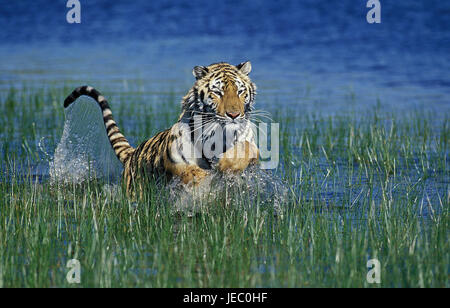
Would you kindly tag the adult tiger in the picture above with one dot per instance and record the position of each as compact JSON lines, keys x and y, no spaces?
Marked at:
{"x":213,"y":131}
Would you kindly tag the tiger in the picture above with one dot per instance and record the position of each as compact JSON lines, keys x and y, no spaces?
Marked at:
{"x":221,"y":100}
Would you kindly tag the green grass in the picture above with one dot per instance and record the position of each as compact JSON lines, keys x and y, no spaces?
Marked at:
{"x":359,"y":188}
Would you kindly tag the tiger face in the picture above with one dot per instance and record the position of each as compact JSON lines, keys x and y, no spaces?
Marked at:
{"x":224,"y":91}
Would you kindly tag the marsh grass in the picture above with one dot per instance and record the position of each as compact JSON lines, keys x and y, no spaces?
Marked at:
{"x":360,"y":187}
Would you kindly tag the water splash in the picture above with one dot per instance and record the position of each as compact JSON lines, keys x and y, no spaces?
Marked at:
{"x":253,"y":188}
{"x":84,"y":151}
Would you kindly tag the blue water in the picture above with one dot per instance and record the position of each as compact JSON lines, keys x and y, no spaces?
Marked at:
{"x":308,"y":56}
{"x":318,"y":56}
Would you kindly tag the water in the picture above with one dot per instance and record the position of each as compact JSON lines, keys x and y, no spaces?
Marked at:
{"x":307,"y":56}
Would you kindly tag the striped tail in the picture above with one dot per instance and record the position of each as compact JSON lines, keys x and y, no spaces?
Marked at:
{"x":118,"y":141}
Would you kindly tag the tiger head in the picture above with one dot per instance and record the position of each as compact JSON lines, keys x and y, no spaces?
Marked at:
{"x":222,"y":91}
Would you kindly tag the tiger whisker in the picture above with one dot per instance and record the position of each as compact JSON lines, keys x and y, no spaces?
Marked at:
{"x":256,"y":128}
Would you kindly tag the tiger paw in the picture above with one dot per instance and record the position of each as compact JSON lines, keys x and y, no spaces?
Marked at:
{"x":238,"y":157}
{"x":193,"y":174}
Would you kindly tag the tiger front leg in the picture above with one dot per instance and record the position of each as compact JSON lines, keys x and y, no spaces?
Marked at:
{"x":192,"y":173}
{"x":187,"y":173}
{"x":180,"y":159}
{"x":237,"y":158}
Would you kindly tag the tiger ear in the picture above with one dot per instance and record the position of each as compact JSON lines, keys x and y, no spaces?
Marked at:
{"x":199,"y":72}
{"x":245,"y":67}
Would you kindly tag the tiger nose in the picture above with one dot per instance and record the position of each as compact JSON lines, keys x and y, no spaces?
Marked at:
{"x":233,"y":115}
